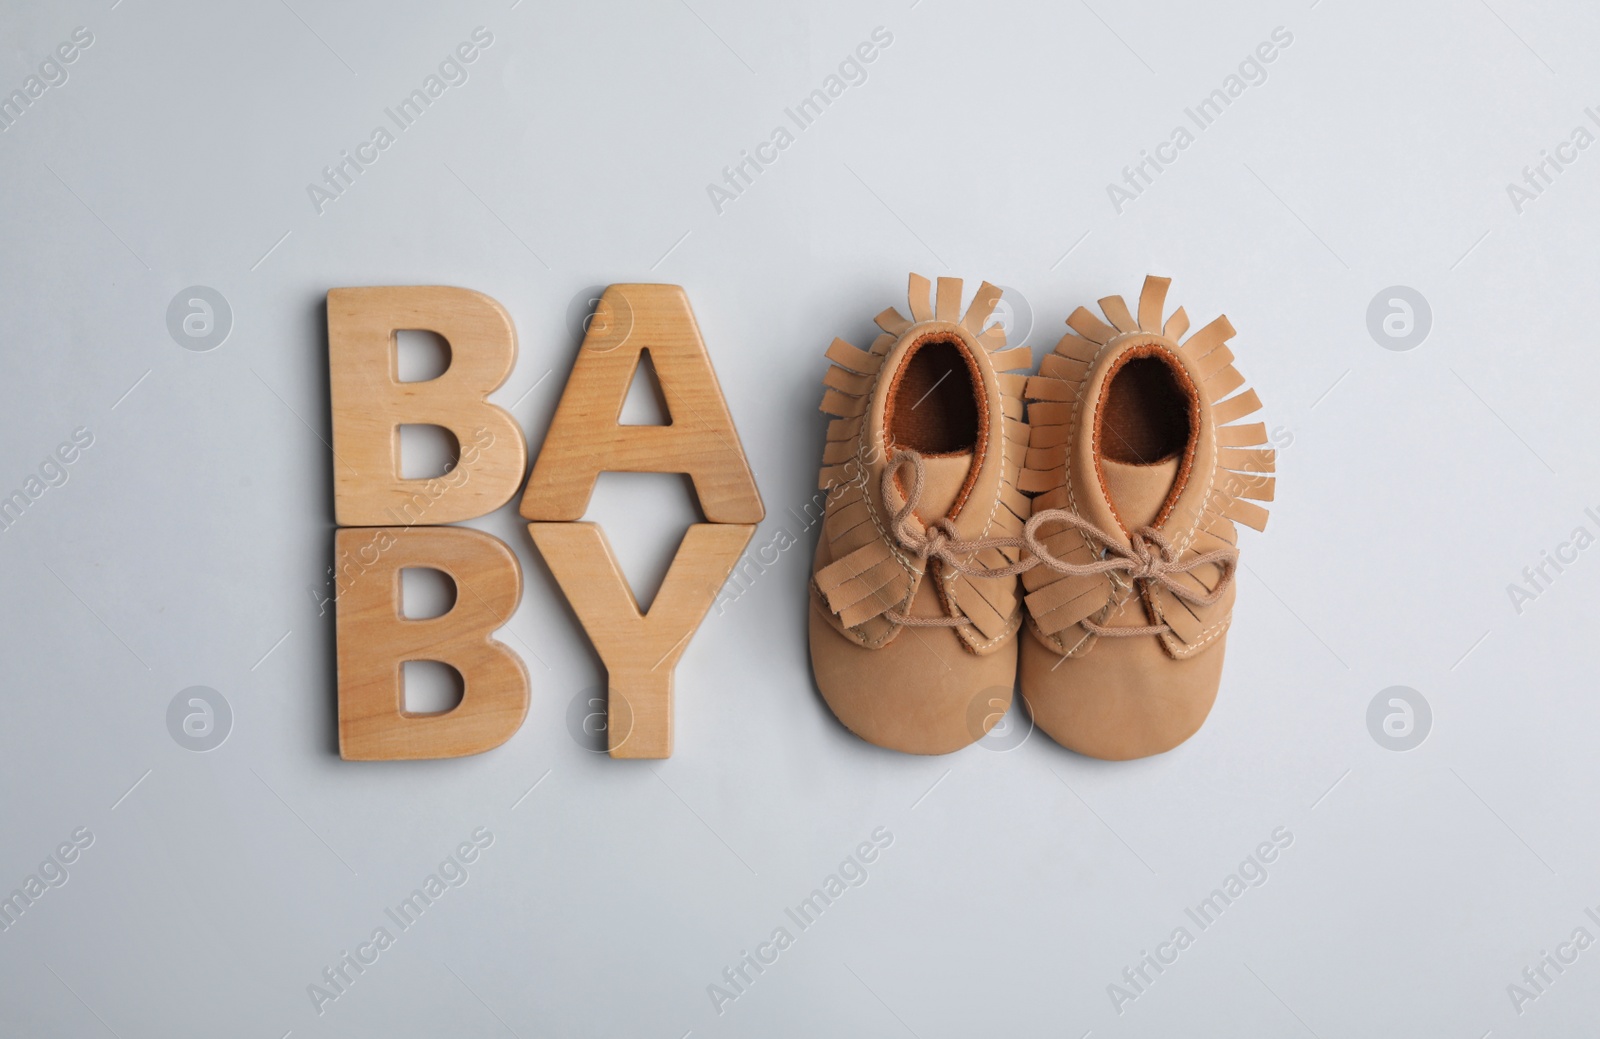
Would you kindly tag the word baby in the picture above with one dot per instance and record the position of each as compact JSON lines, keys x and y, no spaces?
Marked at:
{"x":640,"y":649}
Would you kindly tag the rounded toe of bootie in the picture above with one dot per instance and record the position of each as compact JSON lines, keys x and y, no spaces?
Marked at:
{"x":921,"y":693}
{"x":1125,"y":698}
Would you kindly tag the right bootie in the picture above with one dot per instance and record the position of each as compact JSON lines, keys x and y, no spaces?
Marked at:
{"x":1140,"y":473}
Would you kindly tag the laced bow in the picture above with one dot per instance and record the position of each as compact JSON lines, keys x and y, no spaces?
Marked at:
{"x":1148,"y":559}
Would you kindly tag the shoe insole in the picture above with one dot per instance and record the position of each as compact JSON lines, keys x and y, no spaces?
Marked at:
{"x":933,"y":406}
{"x":1144,"y":440}
{"x":1145,"y":416}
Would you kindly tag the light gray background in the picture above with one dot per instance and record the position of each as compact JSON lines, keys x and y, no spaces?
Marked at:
{"x":1415,"y":487}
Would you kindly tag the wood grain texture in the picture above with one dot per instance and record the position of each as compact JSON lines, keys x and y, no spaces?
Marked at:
{"x":375,"y":640}
{"x":370,"y":404}
{"x":586,"y":439}
{"x":640,"y":648}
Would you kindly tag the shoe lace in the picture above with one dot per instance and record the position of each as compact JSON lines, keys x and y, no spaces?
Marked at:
{"x":1148,"y":560}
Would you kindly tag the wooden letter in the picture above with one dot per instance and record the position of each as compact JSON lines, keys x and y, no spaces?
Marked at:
{"x":586,"y":439}
{"x":370,"y":404}
{"x":375,"y":640}
{"x":640,"y":649}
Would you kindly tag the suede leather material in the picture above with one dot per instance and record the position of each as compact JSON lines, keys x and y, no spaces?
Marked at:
{"x":982,"y":513}
{"x":1138,"y":491}
{"x":872,"y":452}
{"x":1085,"y":460}
{"x":971,"y":522}
{"x":915,"y":694}
{"x":944,"y":477}
{"x":1122,"y":701}
{"x":1133,"y":696}
{"x":913,"y":689}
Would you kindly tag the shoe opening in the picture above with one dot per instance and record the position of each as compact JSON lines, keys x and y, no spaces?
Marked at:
{"x":1144,"y":435}
{"x":934,"y":400}
{"x":1144,"y":417}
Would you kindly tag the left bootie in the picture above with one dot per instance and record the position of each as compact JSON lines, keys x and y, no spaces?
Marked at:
{"x":1140,"y":471}
{"x":915,"y":604}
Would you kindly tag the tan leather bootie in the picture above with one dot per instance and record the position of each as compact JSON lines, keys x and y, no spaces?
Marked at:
{"x":915,"y":605}
{"x":1140,"y":473}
